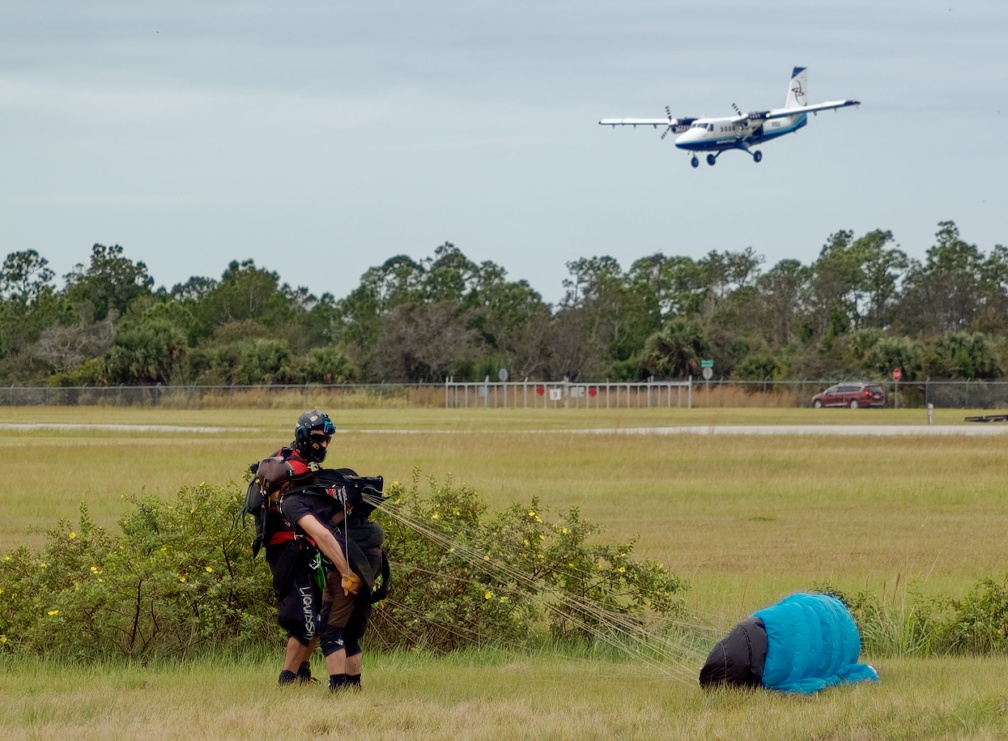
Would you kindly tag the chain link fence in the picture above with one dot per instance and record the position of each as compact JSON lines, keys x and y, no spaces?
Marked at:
{"x":691,"y":393}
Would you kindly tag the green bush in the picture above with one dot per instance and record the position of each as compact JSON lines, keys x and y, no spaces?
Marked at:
{"x":180,"y":580}
{"x":978,"y":624}
{"x":910,"y":624}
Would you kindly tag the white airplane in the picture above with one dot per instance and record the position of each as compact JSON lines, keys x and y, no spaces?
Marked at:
{"x":741,"y":131}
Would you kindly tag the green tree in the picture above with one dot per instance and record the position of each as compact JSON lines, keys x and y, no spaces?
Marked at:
{"x":675,"y":351}
{"x":949,"y":290}
{"x":28,"y":306}
{"x":244,"y":292}
{"x":423,"y":343}
{"x":149,"y":349}
{"x":328,"y":365}
{"x":108,"y":283}
{"x":679,"y":284}
{"x":25,"y":275}
{"x":604,"y":319}
{"x":966,"y":355}
{"x":784,"y":289}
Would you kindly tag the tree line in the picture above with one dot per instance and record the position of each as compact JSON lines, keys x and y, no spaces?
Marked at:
{"x":862,"y":308}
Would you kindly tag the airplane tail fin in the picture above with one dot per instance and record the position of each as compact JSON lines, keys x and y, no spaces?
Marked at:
{"x":797,"y":88}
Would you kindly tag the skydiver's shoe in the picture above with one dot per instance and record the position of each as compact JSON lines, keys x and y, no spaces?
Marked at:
{"x":304,"y":675}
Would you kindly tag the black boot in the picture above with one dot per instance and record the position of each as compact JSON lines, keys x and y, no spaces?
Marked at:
{"x":304,"y":674}
{"x":337,"y":682}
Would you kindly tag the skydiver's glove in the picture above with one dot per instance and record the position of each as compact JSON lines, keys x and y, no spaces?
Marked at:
{"x":351,"y":583}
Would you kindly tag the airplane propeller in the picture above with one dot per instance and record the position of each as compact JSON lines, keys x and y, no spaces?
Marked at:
{"x":675,"y":123}
{"x":668,"y":112}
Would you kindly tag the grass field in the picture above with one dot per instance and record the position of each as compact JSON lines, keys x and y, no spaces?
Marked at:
{"x":745,"y":519}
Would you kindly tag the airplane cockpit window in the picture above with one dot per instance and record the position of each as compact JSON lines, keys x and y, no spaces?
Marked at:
{"x":710,"y":127}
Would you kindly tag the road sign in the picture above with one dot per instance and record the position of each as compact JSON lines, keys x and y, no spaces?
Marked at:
{"x":706,"y":363}
{"x":897,"y":374}
{"x":707,"y":372}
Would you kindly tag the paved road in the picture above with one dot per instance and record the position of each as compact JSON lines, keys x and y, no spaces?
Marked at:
{"x":850,"y":430}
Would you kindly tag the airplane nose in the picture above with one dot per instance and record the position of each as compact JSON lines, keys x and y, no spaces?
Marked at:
{"x":688,"y":137}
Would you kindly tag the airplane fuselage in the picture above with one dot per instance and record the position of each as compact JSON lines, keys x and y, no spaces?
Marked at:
{"x":719,"y":134}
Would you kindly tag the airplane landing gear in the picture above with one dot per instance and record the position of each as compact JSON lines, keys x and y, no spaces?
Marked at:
{"x":711,"y":159}
{"x":695,"y":162}
{"x":757,"y":156}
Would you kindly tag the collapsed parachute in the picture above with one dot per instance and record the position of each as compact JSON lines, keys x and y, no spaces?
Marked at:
{"x":802,"y":644}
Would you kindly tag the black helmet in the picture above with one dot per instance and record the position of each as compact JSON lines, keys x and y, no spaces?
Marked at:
{"x":309,"y":428}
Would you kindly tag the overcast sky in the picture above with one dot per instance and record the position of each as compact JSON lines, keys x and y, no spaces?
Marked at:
{"x":321,"y":137}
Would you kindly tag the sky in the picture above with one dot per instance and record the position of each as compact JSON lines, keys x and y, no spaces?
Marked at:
{"x":321,"y":137}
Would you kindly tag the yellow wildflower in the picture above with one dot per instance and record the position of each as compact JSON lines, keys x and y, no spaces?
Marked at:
{"x":182,"y":579}
{"x":72,"y":535}
{"x":435,"y":516}
{"x":209,"y":569}
{"x":622,"y":569}
{"x":42,"y":565}
{"x":53,"y":612}
{"x":563,"y":530}
{"x":532,"y":513}
{"x":3,"y":639}
{"x":488,"y":595}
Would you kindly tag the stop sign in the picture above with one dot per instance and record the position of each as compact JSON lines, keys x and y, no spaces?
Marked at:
{"x":897,"y":374}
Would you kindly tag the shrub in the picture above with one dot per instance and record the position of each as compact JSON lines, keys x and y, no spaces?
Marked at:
{"x":180,"y":580}
{"x":978,"y":623}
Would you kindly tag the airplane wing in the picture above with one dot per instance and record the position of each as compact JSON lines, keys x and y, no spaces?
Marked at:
{"x":656,"y":122}
{"x":830,"y":105}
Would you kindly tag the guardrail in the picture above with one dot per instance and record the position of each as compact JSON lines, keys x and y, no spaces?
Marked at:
{"x":568,"y":394}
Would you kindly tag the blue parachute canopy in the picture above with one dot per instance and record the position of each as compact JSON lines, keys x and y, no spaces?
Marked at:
{"x":811,"y":642}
